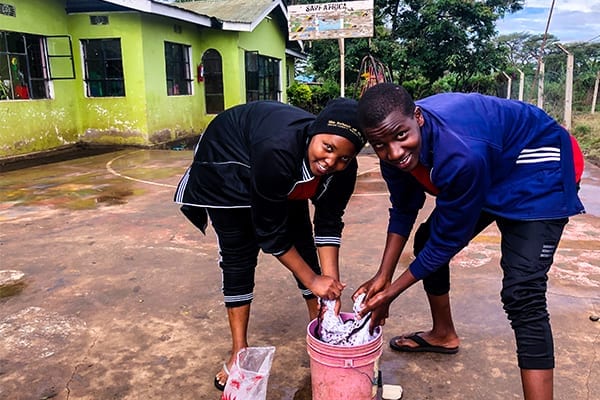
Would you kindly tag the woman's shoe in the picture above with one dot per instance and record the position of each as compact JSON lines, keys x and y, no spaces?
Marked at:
{"x":218,"y":384}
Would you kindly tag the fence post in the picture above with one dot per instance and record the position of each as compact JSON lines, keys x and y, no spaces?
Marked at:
{"x":521,"y":84}
{"x":568,"y":87}
{"x":540,"y":99}
{"x":595,"y":92}
{"x":509,"y":86}
{"x":342,"y":67}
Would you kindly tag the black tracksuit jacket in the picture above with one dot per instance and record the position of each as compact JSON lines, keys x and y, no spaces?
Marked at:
{"x":252,"y":156}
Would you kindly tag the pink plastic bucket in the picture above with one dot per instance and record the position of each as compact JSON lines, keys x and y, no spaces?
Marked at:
{"x":343,"y":372}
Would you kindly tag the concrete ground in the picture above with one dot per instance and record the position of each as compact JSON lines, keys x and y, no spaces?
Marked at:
{"x":121,"y":296}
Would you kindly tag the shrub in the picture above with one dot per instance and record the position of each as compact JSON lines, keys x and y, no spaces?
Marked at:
{"x":322,"y":94}
{"x":300,"y":95}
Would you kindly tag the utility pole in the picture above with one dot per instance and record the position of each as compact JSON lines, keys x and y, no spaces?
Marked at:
{"x":539,"y":73}
{"x":342,"y":67}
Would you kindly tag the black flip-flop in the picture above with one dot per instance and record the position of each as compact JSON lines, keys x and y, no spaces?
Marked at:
{"x":219,"y":385}
{"x":422,"y":345}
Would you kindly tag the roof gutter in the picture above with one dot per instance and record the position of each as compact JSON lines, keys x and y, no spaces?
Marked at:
{"x":164,"y":9}
{"x":295,"y":54}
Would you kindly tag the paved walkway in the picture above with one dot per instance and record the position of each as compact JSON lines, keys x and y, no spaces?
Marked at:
{"x":122,"y":295}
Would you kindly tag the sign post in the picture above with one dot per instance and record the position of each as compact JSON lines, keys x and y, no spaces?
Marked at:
{"x":345,"y":19}
{"x":341,"y":45}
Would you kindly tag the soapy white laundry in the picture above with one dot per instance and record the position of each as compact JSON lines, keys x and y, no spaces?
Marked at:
{"x":352,"y":332}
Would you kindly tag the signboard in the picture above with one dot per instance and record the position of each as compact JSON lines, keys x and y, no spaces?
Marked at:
{"x":345,"y":19}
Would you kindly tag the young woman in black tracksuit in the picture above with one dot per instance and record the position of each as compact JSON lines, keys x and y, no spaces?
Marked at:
{"x":254,"y":170}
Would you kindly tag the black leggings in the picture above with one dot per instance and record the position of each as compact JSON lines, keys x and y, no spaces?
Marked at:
{"x":238,"y":249}
{"x":528,"y":249}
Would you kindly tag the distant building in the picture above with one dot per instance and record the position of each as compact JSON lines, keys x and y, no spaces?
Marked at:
{"x":133,"y":72}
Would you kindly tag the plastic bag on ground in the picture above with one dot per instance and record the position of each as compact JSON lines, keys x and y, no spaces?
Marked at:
{"x":249,"y":374}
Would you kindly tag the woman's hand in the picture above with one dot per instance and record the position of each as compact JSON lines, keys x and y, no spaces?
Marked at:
{"x":336,"y":308}
{"x":326,"y":287}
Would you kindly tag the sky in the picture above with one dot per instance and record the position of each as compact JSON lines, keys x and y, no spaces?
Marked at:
{"x":571,"y":21}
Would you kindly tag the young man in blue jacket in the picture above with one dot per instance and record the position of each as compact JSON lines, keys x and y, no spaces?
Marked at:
{"x":254,"y":170}
{"x":486,"y":160}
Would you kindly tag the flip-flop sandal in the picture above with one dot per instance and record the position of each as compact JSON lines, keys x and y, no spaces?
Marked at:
{"x":218,"y":384}
{"x":422,"y":345}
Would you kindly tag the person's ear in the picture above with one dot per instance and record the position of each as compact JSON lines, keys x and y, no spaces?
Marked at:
{"x":419,"y":116}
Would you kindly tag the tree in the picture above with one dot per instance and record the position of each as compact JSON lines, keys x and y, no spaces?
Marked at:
{"x":449,"y":36}
{"x":524,"y":48}
{"x":423,"y":41}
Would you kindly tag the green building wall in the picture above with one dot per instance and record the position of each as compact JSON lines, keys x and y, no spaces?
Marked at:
{"x":146,"y":115}
{"x":168,"y":117}
{"x":226,"y":43}
{"x":264,"y":39}
{"x":112,"y":120}
{"x":28,"y":126}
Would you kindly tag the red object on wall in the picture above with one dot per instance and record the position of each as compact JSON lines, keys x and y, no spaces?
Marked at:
{"x":200,"y":73}
{"x":21,"y":92}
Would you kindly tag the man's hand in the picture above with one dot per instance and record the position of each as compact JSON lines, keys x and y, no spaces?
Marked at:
{"x":379,"y":306}
{"x":371,"y":287}
{"x":379,"y":302}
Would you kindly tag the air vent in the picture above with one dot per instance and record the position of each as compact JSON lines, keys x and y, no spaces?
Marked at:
{"x":8,"y":9}
{"x":99,"y":19}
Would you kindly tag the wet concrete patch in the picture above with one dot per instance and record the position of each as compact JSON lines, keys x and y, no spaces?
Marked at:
{"x":578,"y":268}
{"x":114,"y":196}
{"x":590,"y":189}
{"x":69,"y":185}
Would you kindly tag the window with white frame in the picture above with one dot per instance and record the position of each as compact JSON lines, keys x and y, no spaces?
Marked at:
{"x":23,"y":67}
{"x":179,"y":73}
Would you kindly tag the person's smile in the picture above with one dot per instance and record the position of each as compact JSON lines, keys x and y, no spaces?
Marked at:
{"x":329,"y":153}
{"x":404,"y":163}
{"x":322,"y":167}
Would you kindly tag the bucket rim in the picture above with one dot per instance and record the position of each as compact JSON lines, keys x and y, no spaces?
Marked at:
{"x":345,"y":317}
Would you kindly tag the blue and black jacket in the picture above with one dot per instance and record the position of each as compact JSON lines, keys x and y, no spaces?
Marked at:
{"x":504,"y":157}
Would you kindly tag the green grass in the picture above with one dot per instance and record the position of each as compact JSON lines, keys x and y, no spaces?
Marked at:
{"x":586,"y":128}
